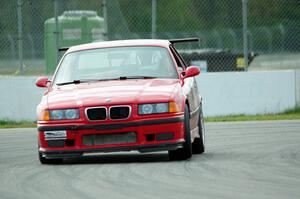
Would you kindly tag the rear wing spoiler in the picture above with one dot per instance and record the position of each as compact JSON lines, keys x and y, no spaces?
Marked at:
{"x":185,"y":40}
{"x":172,"y":41}
{"x":63,"y":49}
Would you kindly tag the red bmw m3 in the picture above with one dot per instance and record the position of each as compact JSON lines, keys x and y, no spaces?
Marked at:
{"x":120,"y":96}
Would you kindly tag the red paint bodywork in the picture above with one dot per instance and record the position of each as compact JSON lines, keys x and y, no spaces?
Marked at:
{"x":122,"y":92}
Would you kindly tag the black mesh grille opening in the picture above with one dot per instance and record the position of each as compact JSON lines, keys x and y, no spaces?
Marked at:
{"x":96,"y":113}
{"x":117,"y":113}
{"x":115,"y":138}
{"x":56,"y":143}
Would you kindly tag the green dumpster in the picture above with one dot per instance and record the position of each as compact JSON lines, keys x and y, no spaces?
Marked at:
{"x":74,"y":27}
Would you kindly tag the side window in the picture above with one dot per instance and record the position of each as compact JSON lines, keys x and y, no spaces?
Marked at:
{"x":178,"y":59}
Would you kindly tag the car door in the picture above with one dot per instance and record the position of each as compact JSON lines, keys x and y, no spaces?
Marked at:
{"x":190,"y":89}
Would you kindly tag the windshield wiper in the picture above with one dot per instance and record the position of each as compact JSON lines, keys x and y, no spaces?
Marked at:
{"x":136,"y":77}
{"x":85,"y":81}
{"x":77,"y":81}
{"x":107,"y":79}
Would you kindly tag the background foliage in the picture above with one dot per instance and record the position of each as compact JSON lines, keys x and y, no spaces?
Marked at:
{"x":273,"y":27}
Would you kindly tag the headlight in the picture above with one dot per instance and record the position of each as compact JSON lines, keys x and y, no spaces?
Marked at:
{"x":57,"y":114}
{"x":153,"y":108}
{"x":162,"y":107}
{"x":71,"y":114}
{"x":67,"y":114}
{"x":146,"y":109}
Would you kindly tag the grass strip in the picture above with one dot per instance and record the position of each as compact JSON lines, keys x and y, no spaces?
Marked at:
{"x":13,"y":124}
{"x":291,"y":114}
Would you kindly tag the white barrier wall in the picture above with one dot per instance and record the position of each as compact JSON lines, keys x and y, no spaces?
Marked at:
{"x":18,"y":98}
{"x":223,"y":93}
{"x":261,"y":92}
{"x":298,"y":87}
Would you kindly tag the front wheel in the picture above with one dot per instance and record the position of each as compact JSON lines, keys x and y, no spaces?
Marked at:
{"x":199,"y":143}
{"x":185,"y":152}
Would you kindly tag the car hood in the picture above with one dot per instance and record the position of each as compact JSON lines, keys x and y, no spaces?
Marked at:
{"x":111,"y":92}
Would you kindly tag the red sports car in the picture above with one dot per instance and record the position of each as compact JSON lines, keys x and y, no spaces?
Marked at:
{"x":120,"y":96}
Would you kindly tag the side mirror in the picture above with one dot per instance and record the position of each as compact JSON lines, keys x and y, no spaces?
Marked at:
{"x":42,"y":81}
{"x":191,"y":72}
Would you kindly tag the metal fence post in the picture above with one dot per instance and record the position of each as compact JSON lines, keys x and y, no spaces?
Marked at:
{"x":104,"y":6}
{"x":245,"y":30}
{"x":56,"y":30}
{"x":154,"y":14}
{"x":20,"y":35}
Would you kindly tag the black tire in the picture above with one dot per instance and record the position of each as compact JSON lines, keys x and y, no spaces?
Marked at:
{"x":199,"y":143}
{"x":44,"y":160}
{"x":185,"y":152}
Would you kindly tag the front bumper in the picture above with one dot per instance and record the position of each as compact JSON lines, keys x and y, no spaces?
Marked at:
{"x":81,"y":152}
{"x":144,"y":130}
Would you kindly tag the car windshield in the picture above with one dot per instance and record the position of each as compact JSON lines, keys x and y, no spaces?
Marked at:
{"x":115,"y":63}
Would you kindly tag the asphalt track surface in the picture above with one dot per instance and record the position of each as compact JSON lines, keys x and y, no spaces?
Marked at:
{"x":242,"y":160}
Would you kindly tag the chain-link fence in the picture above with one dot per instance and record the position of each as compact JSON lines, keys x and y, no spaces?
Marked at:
{"x":273,"y":30}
